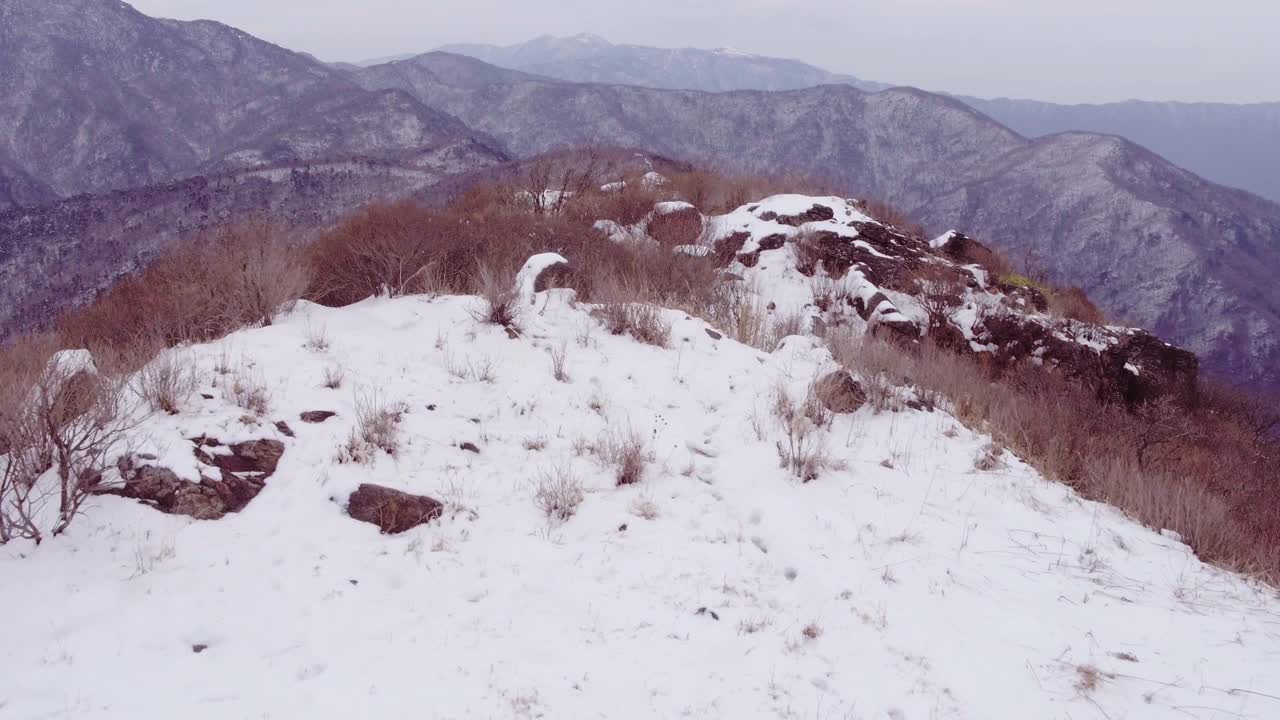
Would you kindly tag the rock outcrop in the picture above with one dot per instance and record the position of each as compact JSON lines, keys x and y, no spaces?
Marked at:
{"x":391,"y":510}
{"x":243,"y":472}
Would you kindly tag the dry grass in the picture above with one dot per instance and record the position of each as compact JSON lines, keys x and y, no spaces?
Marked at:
{"x":500,"y":301}
{"x":645,"y":323}
{"x":889,"y":214}
{"x":333,"y":376}
{"x":166,"y":382}
{"x":558,"y":493}
{"x":247,"y":390}
{"x":626,"y":452}
{"x":643,"y":506}
{"x":559,"y":358}
{"x":803,"y":448}
{"x":377,"y":422}
{"x":1207,"y":470}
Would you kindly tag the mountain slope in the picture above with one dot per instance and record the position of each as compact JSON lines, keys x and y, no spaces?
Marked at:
{"x":60,"y":255}
{"x":1152,"y":231}
{"x":1236,"y":145}
{"x":589,"y":58}
{"x":98,"y":96}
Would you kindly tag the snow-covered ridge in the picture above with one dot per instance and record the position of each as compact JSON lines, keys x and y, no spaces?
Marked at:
{"x":920,"y":575}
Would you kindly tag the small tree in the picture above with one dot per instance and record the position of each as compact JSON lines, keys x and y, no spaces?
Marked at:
{"x":76,"y":422}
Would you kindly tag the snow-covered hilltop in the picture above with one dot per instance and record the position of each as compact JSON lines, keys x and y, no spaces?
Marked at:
{"x":623,"y":512}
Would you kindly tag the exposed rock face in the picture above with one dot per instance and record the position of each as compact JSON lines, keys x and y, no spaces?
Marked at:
{"x":243,"y":470}
{"x":391,"y":510}
{"x":1143,"y":368}
{"x":908,"y":289}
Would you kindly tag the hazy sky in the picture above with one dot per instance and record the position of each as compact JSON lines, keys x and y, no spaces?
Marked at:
{"x":1059,"y":50}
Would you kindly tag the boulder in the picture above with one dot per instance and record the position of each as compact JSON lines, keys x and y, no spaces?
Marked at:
{"x":726,"y":248}
{"x":392,"y":511}
{"x":839,"y":392}
{"x":816,"y":213}
{"x":962,"y":249}
{"x":678,"y":227}
{"x":1142,"y":368}
{"x":209,"y":499}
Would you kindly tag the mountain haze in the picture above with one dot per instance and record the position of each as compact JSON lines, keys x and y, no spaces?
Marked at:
{"x":590,"y":58}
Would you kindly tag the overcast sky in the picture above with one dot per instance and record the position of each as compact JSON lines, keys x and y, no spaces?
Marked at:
{"x":1058,"y":50}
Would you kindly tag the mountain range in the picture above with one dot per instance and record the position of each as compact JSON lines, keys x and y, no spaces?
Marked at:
{"x":98,"y":97}
{"x":1235,"y":145}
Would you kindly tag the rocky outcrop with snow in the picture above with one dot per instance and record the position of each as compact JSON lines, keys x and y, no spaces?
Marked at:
{"x":824,"y":258}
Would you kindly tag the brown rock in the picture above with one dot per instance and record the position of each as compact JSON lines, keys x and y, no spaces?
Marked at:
{"x":1162,"y":369}
{"x":682,"y":227}
{"x":839,"y":392}
{"x":391,"y":510}
{"x":817,"y":213}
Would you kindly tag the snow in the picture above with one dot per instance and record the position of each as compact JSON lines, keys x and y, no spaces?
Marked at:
{"x":652,"y":179}
{"x":66,"y":363}
{"x":527,"y":278}
{"x":941,"y":241}
{"x":692,"y":250}
{"x":673,"y":206}
{"x":930,"y":589}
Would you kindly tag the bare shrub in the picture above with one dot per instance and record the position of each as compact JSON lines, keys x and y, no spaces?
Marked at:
{"x":1074,"y":304}
{"x":394,"y":249}
{"x":783,"y":324}
{"x":645,"y":323}
{"x":377,"y":423}
{"x":258,"y":272}
{"x":333,"y":376}
{"x":558,"y":493}
{"x":626,"y":452}
{"x":802,"y":449}
{"x":644,"y":507}
{"x":317,"y":338}
{"x":198,"y":292}
{"x":559,"y":356}
{"x":940,"y":293}
{"x":247,"y":390}
{"x":482,"y":370}
{"x":167,"y":381}
{"x":989,"y":458}
{"x":682,"y":227}
{"x":64,"y":415}
{"x":889,"y":214}
{"x":739,"y":313}
{"x":501,"y":302}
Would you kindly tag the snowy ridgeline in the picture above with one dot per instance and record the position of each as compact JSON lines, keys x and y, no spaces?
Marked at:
{"x":901,"y":583}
